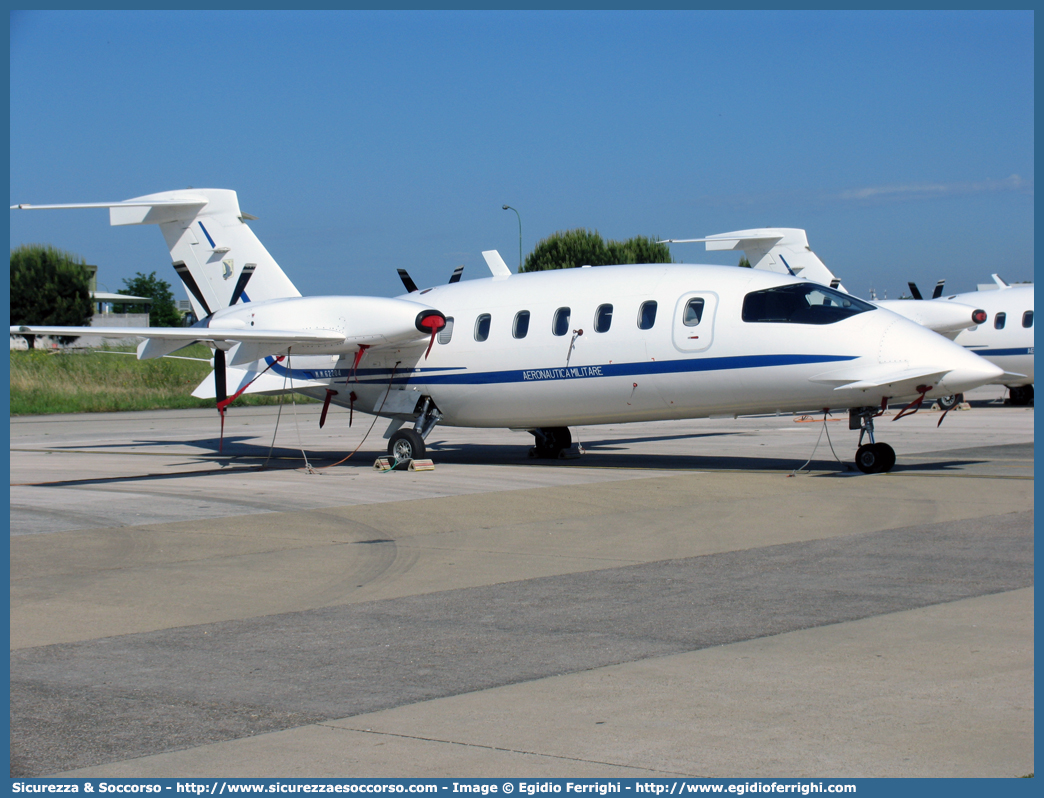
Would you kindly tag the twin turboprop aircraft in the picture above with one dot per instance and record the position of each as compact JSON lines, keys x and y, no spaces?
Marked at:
{"x":539,"y":351}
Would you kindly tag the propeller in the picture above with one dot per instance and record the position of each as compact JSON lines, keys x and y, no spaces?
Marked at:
{"x":916,"y":294}
{"x":220,"y":375}
{"x":411,"y":287}
{"x":455,"y":277}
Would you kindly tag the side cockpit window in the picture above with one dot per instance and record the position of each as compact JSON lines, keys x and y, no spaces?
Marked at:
{"x":801,"y":303}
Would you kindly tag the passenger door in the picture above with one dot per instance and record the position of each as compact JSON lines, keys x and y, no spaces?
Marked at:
{"x":693,"y":323}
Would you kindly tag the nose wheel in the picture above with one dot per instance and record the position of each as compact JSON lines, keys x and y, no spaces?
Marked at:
{"x":873,"y":457}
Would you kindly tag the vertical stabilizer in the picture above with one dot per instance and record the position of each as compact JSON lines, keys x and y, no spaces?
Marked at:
{"x":215,"y":253}
{"x":777,"y":249}
{"x":784,"y":250}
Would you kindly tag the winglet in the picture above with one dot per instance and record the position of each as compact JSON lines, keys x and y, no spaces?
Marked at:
{"x":496,"y":264}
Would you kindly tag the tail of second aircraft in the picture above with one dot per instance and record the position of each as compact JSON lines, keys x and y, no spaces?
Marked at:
{"x":784,"y":250}
{"x":215,"y":253}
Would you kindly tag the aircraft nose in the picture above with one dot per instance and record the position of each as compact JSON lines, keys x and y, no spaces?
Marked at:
{"x":909,"y":342}
{"x":970,"y":371}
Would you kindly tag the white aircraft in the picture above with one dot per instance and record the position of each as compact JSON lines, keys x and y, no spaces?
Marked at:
{"x":965,"y":318}
{"x":1004,"y":335}
{"x":539,"y":351}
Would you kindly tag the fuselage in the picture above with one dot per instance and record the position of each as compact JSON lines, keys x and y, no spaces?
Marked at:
{"x":1006,"y":337}
{"x":632,"y":343}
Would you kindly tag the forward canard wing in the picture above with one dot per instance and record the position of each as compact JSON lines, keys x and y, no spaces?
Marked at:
{"x":885,"y":378}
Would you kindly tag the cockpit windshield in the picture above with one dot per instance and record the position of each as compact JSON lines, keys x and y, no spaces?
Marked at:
{"x":801,"y":303}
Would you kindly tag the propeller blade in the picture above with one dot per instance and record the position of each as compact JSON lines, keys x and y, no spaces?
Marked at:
{"x":407,"y":281}
{"x":241,"y":284}
{"x":190,"y":284}
{"x":914,"y":292}
{"x":220,"y":386}
{"x":938,"y":289}
{"x":455,"y":277}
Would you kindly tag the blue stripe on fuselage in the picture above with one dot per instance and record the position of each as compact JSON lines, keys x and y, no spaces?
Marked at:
{"x":1023,"y":350}
{"x":384,"y":376}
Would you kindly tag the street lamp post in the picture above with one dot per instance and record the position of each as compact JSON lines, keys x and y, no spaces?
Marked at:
{"x":509,"y":208}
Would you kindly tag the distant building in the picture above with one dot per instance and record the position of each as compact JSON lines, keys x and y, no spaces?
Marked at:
{"x":133,"y":312}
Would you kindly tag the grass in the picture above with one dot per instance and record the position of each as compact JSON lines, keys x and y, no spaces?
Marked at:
{"x":97,"y":381}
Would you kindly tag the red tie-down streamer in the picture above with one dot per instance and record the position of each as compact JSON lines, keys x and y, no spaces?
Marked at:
{"x":430,"y":321}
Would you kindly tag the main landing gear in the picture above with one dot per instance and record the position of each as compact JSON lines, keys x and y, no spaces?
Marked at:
{"x":550,"y":441}
{"x":408,"y":444}
{"x":871,"y":458}
{"x":1020,"y":395}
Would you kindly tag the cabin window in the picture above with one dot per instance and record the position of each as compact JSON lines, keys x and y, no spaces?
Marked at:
{"x":446,"y":333}
{"x":693,"y":312}
{"x":801,"y":303}
{"x":560,"y":325}
{"x":603,"y":318}
{"x":646,"y":315}
{"x":1027,"y":318}
{"x":482,"y":327}
{"x":998,"y":321}
{"x":521,"y":326}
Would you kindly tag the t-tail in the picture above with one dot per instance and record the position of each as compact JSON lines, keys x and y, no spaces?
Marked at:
{"x":215,"y":253}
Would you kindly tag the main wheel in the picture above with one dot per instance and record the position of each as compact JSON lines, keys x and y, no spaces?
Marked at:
{"x":1021,"y":395}
{"x":550,"y":441}
{"x":405,"y":445}
{"x":950,"y":402}
{"x":875,"y":458}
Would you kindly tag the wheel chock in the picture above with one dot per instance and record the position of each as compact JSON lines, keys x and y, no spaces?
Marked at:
{"x":383,"y":464}
{"x":960,"y":406}
{"x":422,"y":465}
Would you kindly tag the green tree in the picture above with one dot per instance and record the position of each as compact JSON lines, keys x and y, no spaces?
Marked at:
{"x":49,"y":287}
{"x":164,"y":310}
{"x":744,"y":263}
{"x":639,"y":249}
{"x":573,"y":248}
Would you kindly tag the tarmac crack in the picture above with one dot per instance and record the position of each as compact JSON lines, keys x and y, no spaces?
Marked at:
{"x":501,"y":749}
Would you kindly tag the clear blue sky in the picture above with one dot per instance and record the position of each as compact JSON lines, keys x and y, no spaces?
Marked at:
{"x":369,"y":141}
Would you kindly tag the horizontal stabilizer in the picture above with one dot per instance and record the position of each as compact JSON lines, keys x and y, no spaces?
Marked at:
{"x":139,"y":211}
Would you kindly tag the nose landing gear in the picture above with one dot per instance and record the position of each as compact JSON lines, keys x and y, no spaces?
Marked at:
{"x":408,"y":444}
{"x":872,"y":457}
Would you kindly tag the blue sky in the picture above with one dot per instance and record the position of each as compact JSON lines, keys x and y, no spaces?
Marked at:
{"x":369,"y":141}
